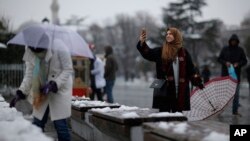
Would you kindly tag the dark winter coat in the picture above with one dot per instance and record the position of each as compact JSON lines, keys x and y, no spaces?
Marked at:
{"x":111,"y":67}
{"x":164,"y":70}
{"x":232,"y":54}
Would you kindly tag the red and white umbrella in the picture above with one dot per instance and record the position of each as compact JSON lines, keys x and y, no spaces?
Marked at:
{"x":211,"y":100}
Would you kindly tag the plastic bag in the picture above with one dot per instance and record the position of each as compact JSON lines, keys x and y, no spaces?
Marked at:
{"x":231,"y":72}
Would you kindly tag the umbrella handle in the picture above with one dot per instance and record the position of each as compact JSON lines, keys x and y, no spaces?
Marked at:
{"x":214,"y":109}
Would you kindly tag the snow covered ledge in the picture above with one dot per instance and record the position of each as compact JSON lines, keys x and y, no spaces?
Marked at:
{"x":15,"y":128}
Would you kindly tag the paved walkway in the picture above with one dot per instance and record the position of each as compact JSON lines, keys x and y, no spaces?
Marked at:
{"x":244,"y":109}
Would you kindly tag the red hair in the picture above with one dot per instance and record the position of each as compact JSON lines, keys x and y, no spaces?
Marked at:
{"x":169,"y":50}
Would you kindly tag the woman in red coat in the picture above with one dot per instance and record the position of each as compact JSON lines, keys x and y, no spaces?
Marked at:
{"x":174,"y":64}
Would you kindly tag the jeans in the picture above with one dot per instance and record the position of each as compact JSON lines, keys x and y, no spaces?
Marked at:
{"x":109,"y":90}
{"x":96,"y":91}
{"x":236,"y":100}
{"x":60,"y":126}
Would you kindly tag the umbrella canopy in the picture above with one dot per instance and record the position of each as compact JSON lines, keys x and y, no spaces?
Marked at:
{"x":43,"y":35}
{"x":209,"y":101}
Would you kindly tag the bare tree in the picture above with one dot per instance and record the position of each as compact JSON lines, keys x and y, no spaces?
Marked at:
{"x":123,"y":37}
{"x":112,"y":34}
{"x":75,"y":20}
{"x":145,"y":20}
{"x":246,"y":20}
{"x":98,"y":37}
{"x":5,"y":24}
{"x":127,"y":31}
{"x":12,"y":54}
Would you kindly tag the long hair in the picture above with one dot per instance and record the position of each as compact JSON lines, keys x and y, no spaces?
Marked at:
{"x":170,"y":50}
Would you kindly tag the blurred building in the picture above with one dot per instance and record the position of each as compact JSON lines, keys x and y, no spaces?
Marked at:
{"x":54,"y":11}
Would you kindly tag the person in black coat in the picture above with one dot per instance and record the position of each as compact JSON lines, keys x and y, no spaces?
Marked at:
{"x":111,"y":68}
{"x":174,"y":64}
{"x":234,"y":55}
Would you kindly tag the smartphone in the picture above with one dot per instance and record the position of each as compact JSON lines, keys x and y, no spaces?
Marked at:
{"x":143,"y":31}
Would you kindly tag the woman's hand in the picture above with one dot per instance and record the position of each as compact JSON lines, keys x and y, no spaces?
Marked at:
{"x":143,"y":36}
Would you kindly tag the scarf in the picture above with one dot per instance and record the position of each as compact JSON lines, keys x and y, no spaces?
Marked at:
{"x":182,"y":79}
{"x":38,"y":80}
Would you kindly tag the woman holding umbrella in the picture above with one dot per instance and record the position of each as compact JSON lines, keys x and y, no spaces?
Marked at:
{"x":173,"y":64}
{"x":48,"y":78}
{"x":47,"y":83}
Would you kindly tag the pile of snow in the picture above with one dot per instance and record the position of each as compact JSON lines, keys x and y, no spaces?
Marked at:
{"x":130,"y":112}
{"x":166,"y":114}
{"x":15,"y":128}
{"x":4,"y":104}
{"x":80,"y":98}
{"x":180,"y":128}
{"x":214,"y":136}
{"x":6,"y":90}
{"x":1,"y":98}
{"x":21,"y":130}
{"x":87,"y":103}
{"x":101,"y":110}
{"x":9,"y":114}
{"x":121,"y":108}
{"x":130,"y":115}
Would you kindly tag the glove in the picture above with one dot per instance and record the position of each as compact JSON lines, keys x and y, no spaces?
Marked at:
{"x":49,"y":87}
{"x":19,"y":96}
{"x":201,"y":86}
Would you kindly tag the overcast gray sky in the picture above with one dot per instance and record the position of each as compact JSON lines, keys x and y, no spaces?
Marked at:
{"x":231,"y":12}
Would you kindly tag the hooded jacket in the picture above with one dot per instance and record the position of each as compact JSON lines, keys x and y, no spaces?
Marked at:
{"x":233,"y":54}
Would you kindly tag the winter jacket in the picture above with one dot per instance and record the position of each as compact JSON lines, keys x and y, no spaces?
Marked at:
{"x":232,"y":54}
{"x":60,"y":69}
{"x":111,"y":67}
{"x":98,"y":72}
